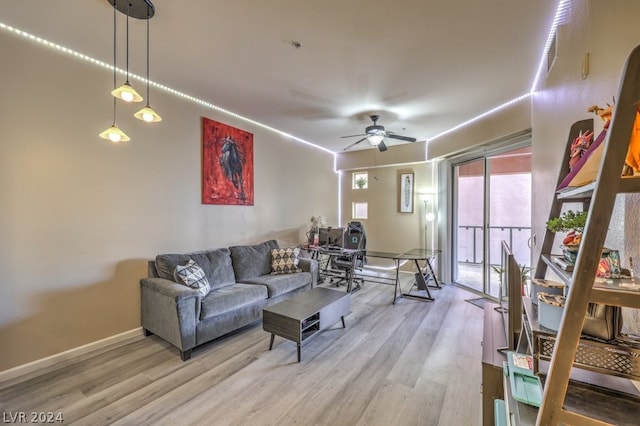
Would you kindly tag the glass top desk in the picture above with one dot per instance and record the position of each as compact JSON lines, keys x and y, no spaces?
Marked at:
{"x":423,"y":276}
{"x":382,"y":279}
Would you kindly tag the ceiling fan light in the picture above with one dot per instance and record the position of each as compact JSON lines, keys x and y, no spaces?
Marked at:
{"x":375,"y":139}
{"x":114,"y":134}
{"x":148,"y":115}
{"x":127,"y":93}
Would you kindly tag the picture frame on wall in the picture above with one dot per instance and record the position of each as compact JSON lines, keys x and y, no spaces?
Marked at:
{"x":227,"y":164}
{"x":406,"y":193}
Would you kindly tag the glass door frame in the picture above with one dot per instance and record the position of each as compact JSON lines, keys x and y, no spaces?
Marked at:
{"x":448,"y":168}
{"x":455,"y":226}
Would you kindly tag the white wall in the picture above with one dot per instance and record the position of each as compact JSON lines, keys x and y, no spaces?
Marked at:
{"x":80,"y":217}
{"x":608,"y":31}
{"x":388,"y":229}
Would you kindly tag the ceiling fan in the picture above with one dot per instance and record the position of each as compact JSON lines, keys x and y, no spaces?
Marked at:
{"x":375,"y":134}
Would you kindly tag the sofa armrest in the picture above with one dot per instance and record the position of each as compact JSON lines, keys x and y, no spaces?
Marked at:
{"x":170,"y":289}
{"x":309,"y":265}
{"x":170,"y":310}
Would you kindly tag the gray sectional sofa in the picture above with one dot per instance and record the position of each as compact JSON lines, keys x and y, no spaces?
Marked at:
{"x":241,"y":282}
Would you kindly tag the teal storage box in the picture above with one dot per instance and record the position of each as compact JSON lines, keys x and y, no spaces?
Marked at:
{"x":525,"y":386}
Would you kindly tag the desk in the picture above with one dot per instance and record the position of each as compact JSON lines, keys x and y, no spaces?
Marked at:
{"x":382,"y":255}
{"x":335,"y":252}
{"x":423,"y":276}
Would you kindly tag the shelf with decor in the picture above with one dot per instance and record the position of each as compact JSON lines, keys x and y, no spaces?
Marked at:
{"x":610,"y":291}
{"x":608,"y":397}
{"x":599,"y":356}
{"x":591,"y":296}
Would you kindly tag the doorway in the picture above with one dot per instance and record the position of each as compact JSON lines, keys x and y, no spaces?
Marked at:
{"x":491,"y":203}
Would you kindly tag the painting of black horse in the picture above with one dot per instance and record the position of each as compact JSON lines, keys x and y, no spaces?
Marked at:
{"x":227,"y":164}
{"x":232,"y":162}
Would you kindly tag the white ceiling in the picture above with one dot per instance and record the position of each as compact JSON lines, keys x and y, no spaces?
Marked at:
{"x":423,"y":65}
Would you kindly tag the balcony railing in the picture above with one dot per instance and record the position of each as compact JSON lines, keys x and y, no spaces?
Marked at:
{"x":471,"y":249}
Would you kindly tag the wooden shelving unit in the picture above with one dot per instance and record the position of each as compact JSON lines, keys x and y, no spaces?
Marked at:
{"x":568,"y":344}
{"x":597,"y":356}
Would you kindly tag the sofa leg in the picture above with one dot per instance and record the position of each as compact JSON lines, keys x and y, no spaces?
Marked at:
{"x":146,"y":332}
{"x":185,"y":355}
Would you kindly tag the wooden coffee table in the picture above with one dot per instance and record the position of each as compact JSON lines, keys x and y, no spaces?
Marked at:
{"x":303,"y":316}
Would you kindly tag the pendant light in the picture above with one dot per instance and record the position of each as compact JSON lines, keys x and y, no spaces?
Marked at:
{"x":113,"y":133}
{"x":126,"y":92}
{"x":147,"y":113}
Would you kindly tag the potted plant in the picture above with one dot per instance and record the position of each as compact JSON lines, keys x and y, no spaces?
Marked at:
{"x":524,"y":275}
{"x":568,"y":221}
{"x":573,"y":223}
{"x":361,"y":182}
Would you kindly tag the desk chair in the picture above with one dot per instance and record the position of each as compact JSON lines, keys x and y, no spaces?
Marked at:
{"x":354,"y":238}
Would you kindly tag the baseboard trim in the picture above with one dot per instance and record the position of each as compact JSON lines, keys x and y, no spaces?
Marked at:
{"x":44,"y":363}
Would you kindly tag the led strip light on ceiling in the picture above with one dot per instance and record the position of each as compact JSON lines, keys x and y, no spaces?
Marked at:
{"x":182,"y":95}
{"x":561,"y":13}
{"x":561,"y":10}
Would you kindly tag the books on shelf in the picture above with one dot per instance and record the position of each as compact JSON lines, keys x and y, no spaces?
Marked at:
{"x":563,"y":263}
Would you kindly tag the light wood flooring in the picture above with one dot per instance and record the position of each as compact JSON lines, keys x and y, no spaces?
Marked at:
{"x":413,"y":363}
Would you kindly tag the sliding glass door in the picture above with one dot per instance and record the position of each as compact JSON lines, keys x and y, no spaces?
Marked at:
{"x":469,"y":212}
{"x":491,"y":203}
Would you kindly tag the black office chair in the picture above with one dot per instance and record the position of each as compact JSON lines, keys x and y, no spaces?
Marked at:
{"x":354,"y":238}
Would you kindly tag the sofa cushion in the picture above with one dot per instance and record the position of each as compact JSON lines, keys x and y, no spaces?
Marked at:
{"x":216,"y":265}
{"x":282,"y":283}
{"x":192,"y":276}
{"x":285,"y":260}
{"x":252,"y":261}
{"x":231,"y":298}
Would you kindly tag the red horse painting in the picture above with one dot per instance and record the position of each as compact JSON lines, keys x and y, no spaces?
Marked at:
{"x":227,"y":164}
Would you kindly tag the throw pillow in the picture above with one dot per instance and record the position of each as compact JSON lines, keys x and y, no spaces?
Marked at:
{"x":192,"y":276}
{"x":285,"y":260}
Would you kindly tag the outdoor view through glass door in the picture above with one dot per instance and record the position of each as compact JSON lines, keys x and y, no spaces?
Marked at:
{"x":492,"y":203}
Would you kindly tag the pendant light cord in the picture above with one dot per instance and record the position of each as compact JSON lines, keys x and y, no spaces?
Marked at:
{"x":128,"y":5}
{"x":148,"y":19}
{"x":114,"y":59}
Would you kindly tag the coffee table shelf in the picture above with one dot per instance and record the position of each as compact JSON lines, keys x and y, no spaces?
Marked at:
{"x":300,"y":318}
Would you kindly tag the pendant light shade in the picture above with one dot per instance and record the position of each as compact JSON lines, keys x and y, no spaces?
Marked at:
{"x":114,"y":134}
{"x":147,"y":114}
{"x":127,"y":93}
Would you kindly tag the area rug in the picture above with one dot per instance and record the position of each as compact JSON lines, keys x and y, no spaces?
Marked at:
{"x":479,"y":302}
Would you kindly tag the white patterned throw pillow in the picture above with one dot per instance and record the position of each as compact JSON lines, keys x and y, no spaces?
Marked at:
{"x":285,"y":260}
{"x":192,"y":276}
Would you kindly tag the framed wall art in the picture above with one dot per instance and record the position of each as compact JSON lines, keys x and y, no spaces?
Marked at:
{"x":406,"y":193}
{"x":227,"y":164}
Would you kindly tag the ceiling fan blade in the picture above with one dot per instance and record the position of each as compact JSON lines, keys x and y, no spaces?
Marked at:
{"x":353,"y":136}
{"x":402,"y":138}
{"x":355,"y":143}
{"x":382,"y":147}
